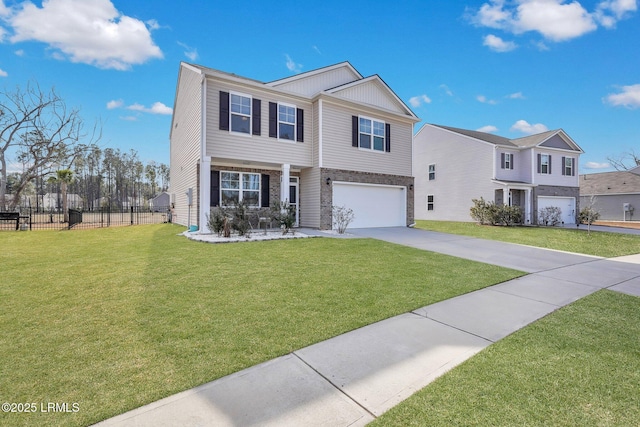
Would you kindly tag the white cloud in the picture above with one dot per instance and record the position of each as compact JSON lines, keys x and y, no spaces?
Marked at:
{"x":314,"y":47}
{"x":483,"y":99}
{"x":292,"y":66}
{"x":19,"y":52}
{"x":496,"y":44}
{"x":555,"y":20}
{"x":156,"y":108}
{"x":116,"y":103}
{"x":488,"y":129}
{"x":92,"y":33}
{"x":3,"y":73}
{"x":190,"y":52}
{"x":629,"y":97}
{"x":528,"y":129}
{"x":129,"y":118}
{"x":446,"y":89}
{"x":595,"y":165}
{"x":517,"y":95}
{"x":417,"y":101}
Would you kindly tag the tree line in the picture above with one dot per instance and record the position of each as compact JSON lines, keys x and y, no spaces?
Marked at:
{"x":57,"y":153}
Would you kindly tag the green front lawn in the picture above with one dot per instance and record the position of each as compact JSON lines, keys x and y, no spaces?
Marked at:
{"x":579,"y":366}
{"x":564,"y":239}
{"x":112,"y":319}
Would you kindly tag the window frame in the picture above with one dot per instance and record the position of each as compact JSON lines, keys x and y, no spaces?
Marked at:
{"x":508,"y":161}
{"x":249,"y":117}
{"x":545,"y":167}
{"x":294,"y":133}
{"x":373,"y":134}
{"x":431,"y":172}
{"x":431,"y":206}
{"x":241,"y":190}
{"x":568,"y":169}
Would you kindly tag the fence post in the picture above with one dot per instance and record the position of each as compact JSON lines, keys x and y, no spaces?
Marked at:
{"x":131,"y":215}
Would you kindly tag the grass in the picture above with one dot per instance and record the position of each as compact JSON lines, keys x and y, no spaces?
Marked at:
{"x":115,"y":318}
{"x":571,"y":240}
{"x":579,"y":366}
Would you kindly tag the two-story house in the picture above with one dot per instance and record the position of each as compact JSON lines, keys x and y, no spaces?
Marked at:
{"x":453,"y":166}
{"x":328,"y":137}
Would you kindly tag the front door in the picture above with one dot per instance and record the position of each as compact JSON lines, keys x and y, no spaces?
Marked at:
{"x":293,"y":196}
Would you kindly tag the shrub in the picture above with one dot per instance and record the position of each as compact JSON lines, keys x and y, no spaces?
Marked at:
{"x":486,"y":213}
{"x":589,"y":215}
{"x":241,"y":220}
{"x":285,"y":214}
{"x":217,"y":220}
{"x":342,"y":217}
{"x":550,"y":216}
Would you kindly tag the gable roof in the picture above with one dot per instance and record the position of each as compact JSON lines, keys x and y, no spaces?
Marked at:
{"x":530,"y":141}
{"x":342,"y":66}
{"x":619,"y":182}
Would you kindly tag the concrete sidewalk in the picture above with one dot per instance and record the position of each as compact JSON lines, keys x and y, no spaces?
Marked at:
{"x":353,"y":378}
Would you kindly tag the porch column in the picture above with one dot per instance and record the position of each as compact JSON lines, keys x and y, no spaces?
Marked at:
{"x":205,"y":194}
{"x":505,"y":196}
{"x":527,"y":207}
{"x":284,"y":183}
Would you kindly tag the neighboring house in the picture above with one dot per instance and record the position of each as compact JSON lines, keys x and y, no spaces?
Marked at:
{"x":161,"y":202}
{"x":321,"y":138}
{"x":453,"y":166}
{"x":615,"y":195}
{"x":54,"y":201}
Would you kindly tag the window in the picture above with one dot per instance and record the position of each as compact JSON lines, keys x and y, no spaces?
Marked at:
{"x":240,"y":113}
{"x":544,"y":164}
{"x":286,"y":122}
{"x":568,"y":166}
{"x":507,"y":160}
{"x":432,"y":172}
{"x":372,"y":134}
{"x":238,"y":186}
{"x":430,"y":202}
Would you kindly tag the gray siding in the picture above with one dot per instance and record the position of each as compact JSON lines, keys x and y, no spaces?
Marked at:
{"x":311,"y":85}
{"x":185,"y":145}
{"x":556,"y":141}
{"x":610,"y":206}
{"x":464,"y":171}
{"x":225,"y":145}
{"x":310,"y":197}
{"x":338,"y":153}
{"x":373,"y":93}
{"x":555,"y":178}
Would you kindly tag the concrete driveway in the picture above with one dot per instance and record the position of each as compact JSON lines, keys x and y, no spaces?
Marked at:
{"x":351,"y":379}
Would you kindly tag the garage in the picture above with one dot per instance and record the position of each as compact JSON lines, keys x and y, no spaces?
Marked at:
{"x":373,"y":205}
{"x":567,"y":206}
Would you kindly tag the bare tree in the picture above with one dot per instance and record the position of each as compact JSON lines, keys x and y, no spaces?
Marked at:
{"x":625,"y":161}
{"x":42,"y":131}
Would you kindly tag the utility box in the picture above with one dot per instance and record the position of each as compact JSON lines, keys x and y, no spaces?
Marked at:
{"x":189,"y":194}
{"x":627,"y":207}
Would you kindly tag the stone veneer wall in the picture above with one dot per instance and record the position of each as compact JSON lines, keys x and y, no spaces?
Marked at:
{"x":551,"y":190}
{"x":326,"y":192}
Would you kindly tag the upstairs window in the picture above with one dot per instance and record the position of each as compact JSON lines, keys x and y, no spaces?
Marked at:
{"x":506,"y":160}
{"x":544,"y":164}
{"x":372,"y":134}
{"x":568,"y":166}
{"x":286,"y":122}
{"x":240,"y":113}
{"x":432,"y":172}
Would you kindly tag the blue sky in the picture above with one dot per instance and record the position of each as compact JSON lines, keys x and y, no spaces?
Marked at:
{"x":508,"y":67}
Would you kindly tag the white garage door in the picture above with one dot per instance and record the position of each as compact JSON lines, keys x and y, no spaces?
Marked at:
{"x":566,"y":204}
{"x":372,"y":205}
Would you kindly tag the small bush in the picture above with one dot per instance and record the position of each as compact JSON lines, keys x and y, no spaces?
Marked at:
{"x":285,"y":214}
{"x":550,"y":216}
{"x":217,"y":220}
{"x":342,"y":217}
{"x":589,"y":215}
{"x":241,"y":219}
{"x":488,"y":213}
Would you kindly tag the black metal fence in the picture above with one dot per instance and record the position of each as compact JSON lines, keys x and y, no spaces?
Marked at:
{"x":31,"y":219}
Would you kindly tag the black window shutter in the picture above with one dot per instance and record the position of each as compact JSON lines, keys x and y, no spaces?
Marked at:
{"x":299,"y":125}
{"x":502,"y":160}
{"x":564,"y":167}
{"x":573,"y":167}
{"x":549,"y":165}
{"x":539,"y":163}
{"x":511,"y":163}
{"x":256,"y":116}
{"x":224,"y":110}
{"x":264,"y":189}
{"x":354,"y":131}
{"x":273,"y":120}
{"x":387,"y":134}
{"x":215,"y":188}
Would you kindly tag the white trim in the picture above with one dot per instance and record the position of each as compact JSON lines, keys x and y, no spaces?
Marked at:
{"x":295,"y":121}
{"x":205,"y":164}
{"x":372,"y":134}
{"x":320,"y":133}
{"x":231,"y":113}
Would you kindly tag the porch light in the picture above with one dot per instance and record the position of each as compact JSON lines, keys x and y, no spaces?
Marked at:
{"x":328,"y":181}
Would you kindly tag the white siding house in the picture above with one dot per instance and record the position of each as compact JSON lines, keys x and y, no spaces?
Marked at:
{"x":303,"y":138}
{"x":454,"y":166}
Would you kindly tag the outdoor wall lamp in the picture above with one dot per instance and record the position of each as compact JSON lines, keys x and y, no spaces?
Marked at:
{"x":411,"y":187}
{"x":328,"y":181}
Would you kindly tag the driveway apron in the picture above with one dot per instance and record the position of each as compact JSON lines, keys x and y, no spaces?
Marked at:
{"x":351,"y":379}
